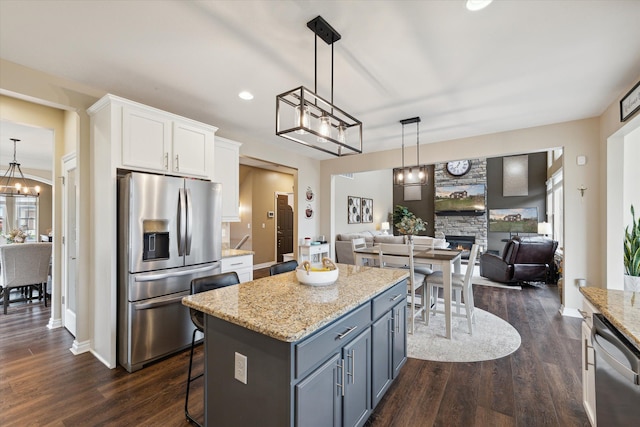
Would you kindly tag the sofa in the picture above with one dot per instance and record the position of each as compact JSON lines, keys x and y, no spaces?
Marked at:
{"x":344,"y":252}
{"x":523,"y":259}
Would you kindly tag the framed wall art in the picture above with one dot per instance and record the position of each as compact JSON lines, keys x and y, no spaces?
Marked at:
{"x":630,"y":103}
{"x":353,"y":207}
{"x":367,"y":210}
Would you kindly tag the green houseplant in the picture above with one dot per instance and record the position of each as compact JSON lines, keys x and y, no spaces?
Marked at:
{"x":632,"y":254}
{"x":406,"y":221}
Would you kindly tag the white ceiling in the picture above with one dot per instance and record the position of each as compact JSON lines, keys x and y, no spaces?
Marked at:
{"x":516,"y":64}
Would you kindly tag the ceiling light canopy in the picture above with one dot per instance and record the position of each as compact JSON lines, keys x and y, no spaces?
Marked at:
{"x":13,"y":182}
{"x":411,"y":175}
{"x":308,"y":119}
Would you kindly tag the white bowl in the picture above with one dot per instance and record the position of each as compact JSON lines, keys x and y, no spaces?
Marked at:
{"x":317,"y":278}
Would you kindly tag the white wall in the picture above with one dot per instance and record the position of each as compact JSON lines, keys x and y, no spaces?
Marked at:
{"x":376,"y":185}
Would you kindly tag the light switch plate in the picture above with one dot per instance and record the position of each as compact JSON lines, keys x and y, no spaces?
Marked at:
{"x":240,"y":370}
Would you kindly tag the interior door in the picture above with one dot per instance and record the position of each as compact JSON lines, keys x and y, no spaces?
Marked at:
{"x":69,"y":246}
{"x":284,"y":231}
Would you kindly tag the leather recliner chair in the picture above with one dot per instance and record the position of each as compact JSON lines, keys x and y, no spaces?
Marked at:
{"x":524,"y":259}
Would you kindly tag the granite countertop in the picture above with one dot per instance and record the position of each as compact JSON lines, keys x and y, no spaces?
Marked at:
{"x":228,"y":253}
{"x":282,"y":308}
{"x":621,"y":308}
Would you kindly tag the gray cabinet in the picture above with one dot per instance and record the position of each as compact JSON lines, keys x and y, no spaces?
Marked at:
{"x":356,"y":362}
{"x":338,"y":392}
{"x":319,"y":404}
{"x":389,"y":349}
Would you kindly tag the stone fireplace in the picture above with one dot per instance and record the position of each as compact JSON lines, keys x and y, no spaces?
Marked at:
{"x":461,"y":242}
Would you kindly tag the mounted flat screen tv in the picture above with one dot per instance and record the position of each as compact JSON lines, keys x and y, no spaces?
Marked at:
{"x":460,"y":200}
{"x":519,"y":220}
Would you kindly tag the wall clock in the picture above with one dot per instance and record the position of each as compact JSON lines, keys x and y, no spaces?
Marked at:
{"x":459,"y":168}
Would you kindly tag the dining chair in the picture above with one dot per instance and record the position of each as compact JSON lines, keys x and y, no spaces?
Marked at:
{"x":283,"y":267}
{"x":460,"y":284}
{"x":24,"y":265}
{"x":398,"y":255}
{"x":203,"y":284}
{"x":358,"y":243}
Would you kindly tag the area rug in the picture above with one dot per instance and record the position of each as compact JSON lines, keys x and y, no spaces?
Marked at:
{"x":492,"y":338}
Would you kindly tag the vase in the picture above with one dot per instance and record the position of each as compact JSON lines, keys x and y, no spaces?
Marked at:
{"x":631,"y":283}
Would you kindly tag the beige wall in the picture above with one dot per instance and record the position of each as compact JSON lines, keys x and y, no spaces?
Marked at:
{"x":40,"y":90}
{"x":262,"y":185}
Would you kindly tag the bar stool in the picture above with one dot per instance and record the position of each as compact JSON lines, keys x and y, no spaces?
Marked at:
{"x":203,"y":284}
{"x":283,"y":267}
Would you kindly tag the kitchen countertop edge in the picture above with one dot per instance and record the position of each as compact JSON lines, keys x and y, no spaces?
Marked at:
{"x":281,"y":308}
{"x":621,"y":308}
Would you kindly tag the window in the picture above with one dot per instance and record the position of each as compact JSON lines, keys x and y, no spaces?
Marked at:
{"x":19,"y":212}
{"x":555,"y":206}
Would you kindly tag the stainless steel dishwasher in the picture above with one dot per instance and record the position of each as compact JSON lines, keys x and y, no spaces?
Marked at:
{"x":617,"y":376}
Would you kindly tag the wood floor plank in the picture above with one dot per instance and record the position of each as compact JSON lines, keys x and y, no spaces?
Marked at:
{"x":43,"y":383}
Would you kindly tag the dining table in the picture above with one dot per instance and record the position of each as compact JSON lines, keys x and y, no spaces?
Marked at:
{"x":449,"y":260}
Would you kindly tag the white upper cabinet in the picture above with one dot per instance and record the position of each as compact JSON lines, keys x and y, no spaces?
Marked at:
{"x":146,"y":139}
{"x":153,"y":140}
{"x":227,"y":172}
{"x":192,"y":147}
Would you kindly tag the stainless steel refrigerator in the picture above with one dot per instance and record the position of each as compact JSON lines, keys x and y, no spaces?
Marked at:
{"x":169,"y":232}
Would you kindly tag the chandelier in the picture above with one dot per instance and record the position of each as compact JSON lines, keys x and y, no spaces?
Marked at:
{"x":411,"y":175}
{"x":13,"y":182}
{"x":309,"y":119}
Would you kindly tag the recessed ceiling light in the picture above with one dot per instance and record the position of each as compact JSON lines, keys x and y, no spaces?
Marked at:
{"x":477,"y":4}
{"x":246,"y":95}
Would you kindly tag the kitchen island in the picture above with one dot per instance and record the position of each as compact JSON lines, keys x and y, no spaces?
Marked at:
{"x":281,"y":353}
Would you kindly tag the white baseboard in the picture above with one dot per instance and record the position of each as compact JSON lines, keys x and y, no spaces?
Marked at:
{"x":103,"y":360}
{"x":570,"y":312}
{"x":80,"y":347}
{"x":54,"y":323}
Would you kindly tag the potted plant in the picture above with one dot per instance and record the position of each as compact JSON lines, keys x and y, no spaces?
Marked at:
{"x":632,"y":254}
{"x":407,"y":223}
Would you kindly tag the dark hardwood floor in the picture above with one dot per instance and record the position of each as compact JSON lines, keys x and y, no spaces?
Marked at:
{"x":43,"y":383}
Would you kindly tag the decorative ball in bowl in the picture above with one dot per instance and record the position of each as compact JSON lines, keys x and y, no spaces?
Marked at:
{"x":324,"y":274}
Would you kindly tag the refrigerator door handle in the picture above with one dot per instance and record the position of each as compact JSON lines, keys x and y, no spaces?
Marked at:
{"x":182,"y":222}
{"x":162,"y":276}
{"x":189,"y":227}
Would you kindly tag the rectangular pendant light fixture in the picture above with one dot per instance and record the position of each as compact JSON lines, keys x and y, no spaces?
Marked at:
{"x":305,"y":117}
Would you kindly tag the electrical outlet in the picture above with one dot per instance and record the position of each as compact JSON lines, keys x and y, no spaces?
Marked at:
{"x":241,"y":368}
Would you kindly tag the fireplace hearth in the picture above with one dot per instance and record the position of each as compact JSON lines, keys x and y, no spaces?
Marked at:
{"x":463,"y":243}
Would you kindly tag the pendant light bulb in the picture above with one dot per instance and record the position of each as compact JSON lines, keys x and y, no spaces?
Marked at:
{"x":325,"y":128}
{"x":342,"y":133}
{"x":421,"y":174}
{"x":37,"y":188}
{"x":410,"y":175}
{"x":305,"y":118}
{"x":400,"y":176}
{"x":18,"y":186}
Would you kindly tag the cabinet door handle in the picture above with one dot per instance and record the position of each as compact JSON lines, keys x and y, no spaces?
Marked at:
{"x":166,"y":161}
{"x":586,"y":355}
{"x":177,"y":163}
{"x":340,"y":382}
{"x":396,"y":297}
{"x":344,"y":334}
{"x":397,"y":320}
{"x":351,"y":355}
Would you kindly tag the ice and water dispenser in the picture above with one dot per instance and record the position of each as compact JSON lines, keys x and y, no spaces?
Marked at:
{"x":155,"y":239}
